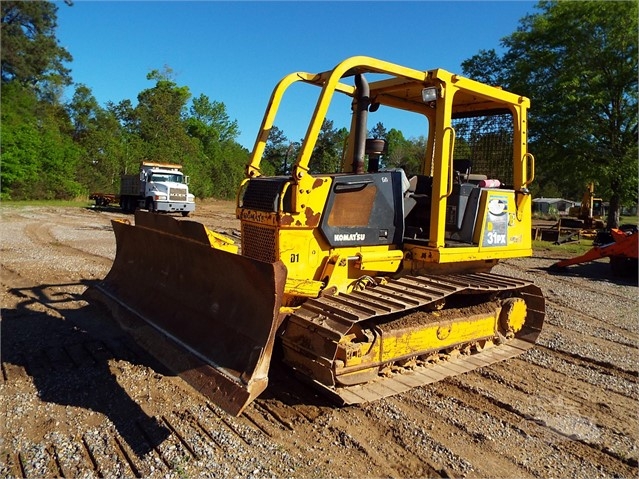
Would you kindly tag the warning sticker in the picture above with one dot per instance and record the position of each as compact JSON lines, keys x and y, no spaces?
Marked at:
{"x":496,"y":227}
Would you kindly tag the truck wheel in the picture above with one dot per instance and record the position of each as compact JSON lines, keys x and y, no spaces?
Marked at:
{"x":150,"y":204}
{"x":185,"y":213}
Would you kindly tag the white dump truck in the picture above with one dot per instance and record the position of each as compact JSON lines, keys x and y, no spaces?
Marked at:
{"x":159,"y":187}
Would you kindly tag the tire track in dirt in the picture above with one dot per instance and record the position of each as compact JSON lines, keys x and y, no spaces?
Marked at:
{"x":386,"y":443}
{"x":101,"y":452}
{"x":599,"y":374}
{"x":292,"y":413}
{"x":598,"y":350}
{"x":359,"y":442}
{"x":467,"y":451}
{"x":565,"y":407}
{"x":608,"y":410}
{"x":42,"y":236}
{"x":382,"y":443}
{"x":263,"y":420}
{"x":475,"y":400}
{"x":488,"y":426}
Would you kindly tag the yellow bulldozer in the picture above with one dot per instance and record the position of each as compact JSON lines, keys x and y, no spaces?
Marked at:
{"x":369,"y":282}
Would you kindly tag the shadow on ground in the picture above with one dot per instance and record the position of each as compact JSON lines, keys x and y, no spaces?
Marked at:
{"x":65,"y":345}
{"x":596,"y":271}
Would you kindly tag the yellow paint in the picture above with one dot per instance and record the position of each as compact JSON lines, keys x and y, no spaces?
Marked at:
{"x":415,"y":341}
{"x":385,"y":260}
{"x":303,"y":287}
{"x":439,"y":336}
{"x":219,"y":241}
{"x":513,"y":315}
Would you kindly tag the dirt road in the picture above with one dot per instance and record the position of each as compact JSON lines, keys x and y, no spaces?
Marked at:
{"x":79,"y":399}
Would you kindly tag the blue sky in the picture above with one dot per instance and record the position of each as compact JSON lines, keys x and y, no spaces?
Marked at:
{"x":235,"y":52}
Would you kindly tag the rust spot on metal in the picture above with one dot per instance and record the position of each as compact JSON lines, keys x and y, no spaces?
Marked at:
{"x":318,"y":182}
{"x":298,"y":223}
{"x":286,"y":220}
{"x":312,"y":219}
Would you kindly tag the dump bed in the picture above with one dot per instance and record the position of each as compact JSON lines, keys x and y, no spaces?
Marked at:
{"x":130,"y":185}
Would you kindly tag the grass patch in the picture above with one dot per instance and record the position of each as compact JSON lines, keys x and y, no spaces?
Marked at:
{"x":49,"y":203}
{"x":573,"y":248}
{"x":629,"y":220}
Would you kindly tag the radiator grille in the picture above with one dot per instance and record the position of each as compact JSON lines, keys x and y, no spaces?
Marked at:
{"x":177,"y":194}
{"x":259,"y":242}
{"x":263,"y":194}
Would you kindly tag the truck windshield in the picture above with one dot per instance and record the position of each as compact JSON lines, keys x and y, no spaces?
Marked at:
{"x":166,"y":177}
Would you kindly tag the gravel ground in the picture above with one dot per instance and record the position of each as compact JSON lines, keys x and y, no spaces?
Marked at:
{"x":80,"y":399}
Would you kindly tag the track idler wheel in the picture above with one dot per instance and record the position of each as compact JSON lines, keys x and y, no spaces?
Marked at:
{"x":513,"y":316}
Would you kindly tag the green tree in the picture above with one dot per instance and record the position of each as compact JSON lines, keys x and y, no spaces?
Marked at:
{"x":218,"y":166}
{"x":327,"y":154}
{"x":20,"y":140}
{"x":39,"y":157}
{"x":404,"y":153}
{"x":209,"y":121}
{"x":30,"y":52}
{"x":487,"y":67}
{"x":577,"y":61}
{"x":133,"y":148}
{"x":59,"y":157}
{"x":228,"y":173}
{"x":83,"y":110}
{"x":378,"y":132}
{"x":550,"y":190}
{"x":159,"y":115}
{"x":101,"y":139}
{"x":279,"y":153}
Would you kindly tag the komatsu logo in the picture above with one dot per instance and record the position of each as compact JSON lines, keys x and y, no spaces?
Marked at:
{"x":349,"y":237}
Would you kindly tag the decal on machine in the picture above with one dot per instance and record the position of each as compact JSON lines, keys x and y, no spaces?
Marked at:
{"x":496,"y":227}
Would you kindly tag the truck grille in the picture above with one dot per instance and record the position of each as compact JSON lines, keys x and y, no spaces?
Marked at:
{"x":258,"y":242}
{"x":177,"y":194}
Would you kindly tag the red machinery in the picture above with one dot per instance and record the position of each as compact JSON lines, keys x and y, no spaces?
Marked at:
{"x":622,"y":251}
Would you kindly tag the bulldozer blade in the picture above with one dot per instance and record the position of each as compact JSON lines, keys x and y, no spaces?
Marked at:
{"x":208,"y":315}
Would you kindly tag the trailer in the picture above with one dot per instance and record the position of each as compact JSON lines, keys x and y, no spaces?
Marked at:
{"x":104,"y":199}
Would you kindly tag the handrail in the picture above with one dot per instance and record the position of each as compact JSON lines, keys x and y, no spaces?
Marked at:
{"x":532,"y":169}
{"x":253,"y":167}
{"x":449,"y":191}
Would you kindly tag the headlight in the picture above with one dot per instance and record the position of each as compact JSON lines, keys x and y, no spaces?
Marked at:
{"x":430,"y":94}
{"x":160,"y":197}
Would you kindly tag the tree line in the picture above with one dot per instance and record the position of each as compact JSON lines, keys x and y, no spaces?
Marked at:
{"x":577,"y":61}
